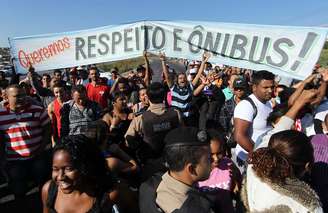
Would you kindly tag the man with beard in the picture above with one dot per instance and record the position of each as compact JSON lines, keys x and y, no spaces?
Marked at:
{"x":250,"y":115}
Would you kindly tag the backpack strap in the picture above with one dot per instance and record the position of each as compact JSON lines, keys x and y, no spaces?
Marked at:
{"x":253,"y":105}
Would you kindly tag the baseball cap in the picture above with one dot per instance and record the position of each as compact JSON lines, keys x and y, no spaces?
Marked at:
{"x":240,"y":83}
{"x":186,"y":136}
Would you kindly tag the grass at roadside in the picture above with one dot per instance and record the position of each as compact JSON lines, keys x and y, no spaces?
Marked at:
{"x":323,"y":60}
{"x":123,"y":66}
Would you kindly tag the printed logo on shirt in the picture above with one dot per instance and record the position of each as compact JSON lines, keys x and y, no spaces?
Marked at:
{"x":101,"y":93}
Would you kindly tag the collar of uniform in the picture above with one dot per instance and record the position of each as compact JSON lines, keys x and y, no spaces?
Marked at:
{"x":174,"y":185}
{"x":156,"y":107}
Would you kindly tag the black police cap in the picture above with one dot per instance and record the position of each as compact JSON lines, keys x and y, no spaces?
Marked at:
{"x":186,"y":136}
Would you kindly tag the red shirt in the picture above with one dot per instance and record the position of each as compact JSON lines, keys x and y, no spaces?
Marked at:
{"x":99,"y":94}
{"x":56,"y":113}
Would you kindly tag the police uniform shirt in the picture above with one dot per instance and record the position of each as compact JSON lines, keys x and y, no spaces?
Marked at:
{"x":171,"y":193}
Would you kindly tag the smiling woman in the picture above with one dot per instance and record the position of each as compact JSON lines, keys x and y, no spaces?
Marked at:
{"x":80,"y":179}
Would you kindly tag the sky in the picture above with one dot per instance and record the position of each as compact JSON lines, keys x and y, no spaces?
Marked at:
{"x":23,"y":18}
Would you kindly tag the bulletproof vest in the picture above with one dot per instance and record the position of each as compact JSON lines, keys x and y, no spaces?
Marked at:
{"x":155,"y":127}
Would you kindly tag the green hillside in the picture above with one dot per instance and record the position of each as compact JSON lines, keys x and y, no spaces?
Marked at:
{"x":323,"y":60}
{"x":129,"y":64}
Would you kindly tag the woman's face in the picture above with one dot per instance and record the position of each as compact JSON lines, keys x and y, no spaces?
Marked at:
{"x":63,"y":173}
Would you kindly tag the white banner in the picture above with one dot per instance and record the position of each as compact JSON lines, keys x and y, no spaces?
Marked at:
{"x":283,"y":50}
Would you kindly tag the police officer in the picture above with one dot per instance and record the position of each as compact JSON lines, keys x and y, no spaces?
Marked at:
{"x":147,"y":131}
{"x":187,"y":156}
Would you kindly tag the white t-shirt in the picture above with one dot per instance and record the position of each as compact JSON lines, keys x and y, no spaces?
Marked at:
{"x":244,"y":111}
{"x":322,"y":110}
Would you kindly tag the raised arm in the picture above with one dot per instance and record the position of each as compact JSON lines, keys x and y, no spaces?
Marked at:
{"x":306,"y":97}
{"x":165,"y":70}
{"x":206,"y":57}
{"x":112,"y":90}
{"x":14,"y":77}
{"x":286,"y":122}
{"x":321,"y":93}
{"x":35,"y":83}
{"x":200,"y":88}
{"x":299,"y":90}
{"x":147,"y":72}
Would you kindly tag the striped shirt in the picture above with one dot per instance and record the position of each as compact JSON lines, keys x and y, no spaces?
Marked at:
{"x":22,"y":131}
{"x":181,"y":98}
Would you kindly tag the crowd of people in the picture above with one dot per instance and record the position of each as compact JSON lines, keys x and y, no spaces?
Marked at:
{"x":212,"y":138}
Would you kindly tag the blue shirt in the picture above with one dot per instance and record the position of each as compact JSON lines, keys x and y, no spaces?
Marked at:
{"x":227,"y":93}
